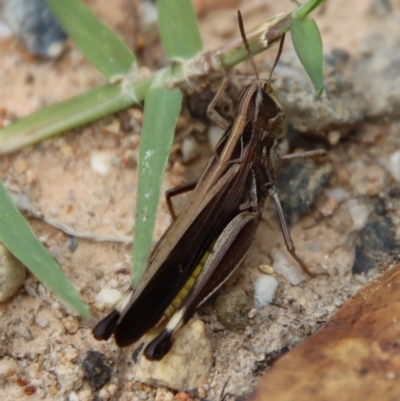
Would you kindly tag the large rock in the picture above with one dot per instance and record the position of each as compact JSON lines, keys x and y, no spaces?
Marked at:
{"x":185,"y":366}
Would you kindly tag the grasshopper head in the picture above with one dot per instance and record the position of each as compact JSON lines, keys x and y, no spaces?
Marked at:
{"x":269,"y":117}
{"x":266,"y":125}
{"x":264,"y":110}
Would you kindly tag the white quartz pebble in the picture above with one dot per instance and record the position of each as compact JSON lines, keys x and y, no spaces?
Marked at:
{"x":265,"y":290}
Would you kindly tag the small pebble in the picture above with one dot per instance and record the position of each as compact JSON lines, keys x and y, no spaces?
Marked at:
{"x":73,"y":396}
{"x":214,"y":135}
{"x":359,"y":214}
{"x":41,"y":321}
{"x":55,"y":310}
{"x":334,"y":137}
{"x":101,"y":162}
{"x":287,"y":269}
{"x":374,"y":189}
{"x":147,"y":15}
{"x":266,"y":269}
{"x":190,"y":149}
{"x":217,"y":326}
{"x":338,"y":193}
{"x":98,"y":273}
{"x":329,"y":207}
{"x":72,"y":243}
{"x":252,"y":314}
{"x":114,"y":127}
{"x":30,"y":289}
{"x":71,"y":355}
{"x":70,"y":324}
{"x":394,"y":165}
{"x":330,"y":308}
{"x":104,"y":395}
{"x":34,"y":370}
{"x":29,"y":390}
{"x":68,"y":376}
{"x":12,"y":274}
{"x":53,"y":390}
{"x":163,"y":394}
{"x":7,"y":369}
{"x":108,"y":296}
{"x":265,"y":290}
{"x":113,"y":283}
{"x":178,"y":169}
{"x":391,"y":375}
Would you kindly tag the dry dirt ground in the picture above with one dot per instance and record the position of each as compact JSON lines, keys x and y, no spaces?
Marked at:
{"x":57,"y":177}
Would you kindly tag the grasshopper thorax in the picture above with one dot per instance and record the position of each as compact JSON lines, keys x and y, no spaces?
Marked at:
{"x":266,"y":125}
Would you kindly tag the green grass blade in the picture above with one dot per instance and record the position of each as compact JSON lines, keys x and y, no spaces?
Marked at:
{"x":71,"y":113}
{"x":18,"y":238}
{"x":161,"y":113}
{"x":179,"y":31}
{"x":307,"y":8}
{"x":98,"y":43}
{"x":181,"y":40}
{"x":308,"y":45}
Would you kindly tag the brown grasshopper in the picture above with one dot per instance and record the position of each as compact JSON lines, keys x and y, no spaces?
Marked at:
{"x":211,"y":236}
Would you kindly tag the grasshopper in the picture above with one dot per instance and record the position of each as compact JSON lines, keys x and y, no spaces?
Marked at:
{"x":208,"y":240}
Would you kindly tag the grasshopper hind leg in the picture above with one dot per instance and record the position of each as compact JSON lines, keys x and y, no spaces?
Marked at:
{"x":106,"y":327}
{"x":159,"y":347}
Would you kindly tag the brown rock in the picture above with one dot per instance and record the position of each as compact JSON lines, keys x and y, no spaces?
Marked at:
{"x":355,"y":357}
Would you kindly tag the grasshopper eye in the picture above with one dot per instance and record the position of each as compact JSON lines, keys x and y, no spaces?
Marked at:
{"x":266,"y":106}
{"x":267,"y":87}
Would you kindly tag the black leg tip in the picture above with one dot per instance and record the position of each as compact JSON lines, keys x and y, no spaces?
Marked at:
{"x":106,"y":327}
{"x":159,"y":347}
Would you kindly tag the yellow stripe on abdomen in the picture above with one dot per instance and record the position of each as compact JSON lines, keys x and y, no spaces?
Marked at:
{"x":184,"y":291}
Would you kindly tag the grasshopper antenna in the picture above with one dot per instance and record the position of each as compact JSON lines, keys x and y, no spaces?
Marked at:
{"x":246,"y":43}
{"x":276,"y":58}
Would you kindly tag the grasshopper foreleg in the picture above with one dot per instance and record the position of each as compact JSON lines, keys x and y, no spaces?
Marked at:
{"x":212,"y":113}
